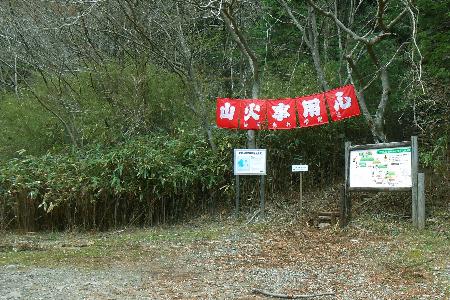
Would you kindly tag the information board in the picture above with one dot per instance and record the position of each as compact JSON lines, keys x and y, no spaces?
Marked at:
{"x":249,"y":161}
{"x":380,"y":168}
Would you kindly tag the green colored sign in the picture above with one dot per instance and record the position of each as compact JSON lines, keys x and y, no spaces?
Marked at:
{"x":394,"y":150}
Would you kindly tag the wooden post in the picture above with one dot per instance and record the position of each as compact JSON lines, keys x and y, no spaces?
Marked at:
{"x":236,"y":212}
{"x":262,"y":195}
{"x":349,"y":206}
{"x":342,"y":207}
{"x":414,"y":168}
{"x":421,"y":201}
{"x":345,"y":205}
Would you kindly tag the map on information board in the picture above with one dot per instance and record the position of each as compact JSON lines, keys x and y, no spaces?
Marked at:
{"x":249,"y":161}
{"x":380,"y":168}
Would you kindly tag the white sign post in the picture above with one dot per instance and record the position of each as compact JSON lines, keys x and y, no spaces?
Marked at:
{"x":250,"y":162}
{"x":301,"y":169}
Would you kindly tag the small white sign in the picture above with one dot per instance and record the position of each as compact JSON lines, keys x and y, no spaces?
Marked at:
{"x":299,"y":168}
{"x":249,"y":161}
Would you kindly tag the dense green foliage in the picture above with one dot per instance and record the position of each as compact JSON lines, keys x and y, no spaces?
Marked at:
{"x":147,"y":180}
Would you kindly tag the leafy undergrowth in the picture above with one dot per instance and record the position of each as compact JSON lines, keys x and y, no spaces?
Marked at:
{"x":373,"y":258}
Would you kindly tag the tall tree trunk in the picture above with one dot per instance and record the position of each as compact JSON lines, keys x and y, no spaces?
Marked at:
{"x":311,"y":38}
{"x":314,"y":48}
{"x":195,"y":89}
{"x":379,"y":32}
{"x":252,"y":60}
{"x":379,"y":116}
{"x":16,"y":85}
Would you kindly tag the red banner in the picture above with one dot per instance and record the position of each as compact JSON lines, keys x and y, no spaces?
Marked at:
{"x":342,"y":103}
{"x":227,"y":113}
{"x":252,"y":114}
{"x":255,"y":114}
{"x":312,"y":110}
{"x":281,"y":114}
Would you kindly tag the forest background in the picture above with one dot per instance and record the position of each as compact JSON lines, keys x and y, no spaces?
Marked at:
{"x":107,"y":107}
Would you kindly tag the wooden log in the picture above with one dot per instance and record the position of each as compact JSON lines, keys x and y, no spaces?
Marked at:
{"x":328,"y":213}
{"x":328,"y":217}
{"x":285,"y":296}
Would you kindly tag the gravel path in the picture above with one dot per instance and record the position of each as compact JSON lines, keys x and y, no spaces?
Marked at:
{"x":68,"y":283}
{"x":284,"y":260}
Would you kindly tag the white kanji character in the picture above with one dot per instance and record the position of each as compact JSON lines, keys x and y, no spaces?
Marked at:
{"x":250,"y":111}
{"x":306,"y":121}
{"x":288,"y":124}
{"x":281,"y":111}
{"x":227,"y":111}
{"x":340,"y":104}
{"x":274,"y":125}
{"x":319,"y":119}
{"x":311,"y":107}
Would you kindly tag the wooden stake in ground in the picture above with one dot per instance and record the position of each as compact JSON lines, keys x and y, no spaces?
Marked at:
{"x":283,"y":296}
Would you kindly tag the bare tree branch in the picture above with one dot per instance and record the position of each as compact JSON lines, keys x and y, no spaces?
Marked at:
{"x":311,"y":42}
{"x":338,"y":22}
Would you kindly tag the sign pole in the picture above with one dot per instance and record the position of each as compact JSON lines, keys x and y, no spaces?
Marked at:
{"x":236,"y":213}
{"x":301,"y":169}
{"x":301,"y":196}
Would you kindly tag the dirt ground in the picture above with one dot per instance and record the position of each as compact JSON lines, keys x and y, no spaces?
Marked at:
{"x":371,"y":259}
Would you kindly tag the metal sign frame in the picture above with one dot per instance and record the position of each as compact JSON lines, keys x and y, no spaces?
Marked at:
{"x":253,"y":156}
{"x":417,"y":182}
{"x":254,"y":161}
